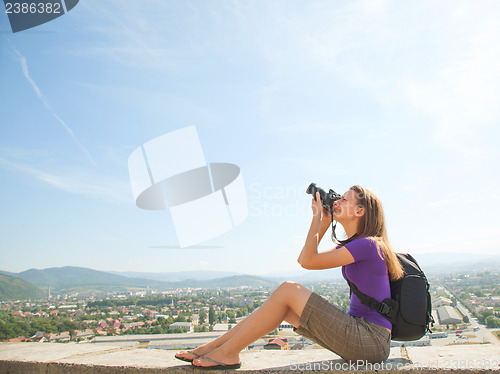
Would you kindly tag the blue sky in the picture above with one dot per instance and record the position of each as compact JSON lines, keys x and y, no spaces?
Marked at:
{"x":400,"y":97}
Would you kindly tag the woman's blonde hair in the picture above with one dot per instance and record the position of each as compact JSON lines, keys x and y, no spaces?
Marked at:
{"x":372,"y":225}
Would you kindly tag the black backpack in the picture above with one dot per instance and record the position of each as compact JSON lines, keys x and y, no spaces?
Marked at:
{"x":409,"y":309}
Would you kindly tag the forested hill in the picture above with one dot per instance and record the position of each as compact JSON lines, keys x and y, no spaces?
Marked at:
{"x":76,"y":279}
{"x":73,"y":276}
{"x":12,"y":288}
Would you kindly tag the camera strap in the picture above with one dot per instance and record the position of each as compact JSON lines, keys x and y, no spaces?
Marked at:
{"x":341,"y":242}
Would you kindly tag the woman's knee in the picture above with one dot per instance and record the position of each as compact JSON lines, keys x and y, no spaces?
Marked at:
{"x":288,"y":288}
{"x":294,"y":295}
{"x":287,"y":285}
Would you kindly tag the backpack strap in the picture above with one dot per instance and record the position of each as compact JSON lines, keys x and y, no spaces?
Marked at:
{"x":388,"y":308}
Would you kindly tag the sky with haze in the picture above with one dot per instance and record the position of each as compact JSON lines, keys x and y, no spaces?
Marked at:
{"x":400,"y":97}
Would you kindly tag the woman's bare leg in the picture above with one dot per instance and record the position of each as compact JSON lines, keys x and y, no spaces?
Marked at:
{"x":205,"y":348}
{"x":291,"y":317}
{"x":286,"y":302}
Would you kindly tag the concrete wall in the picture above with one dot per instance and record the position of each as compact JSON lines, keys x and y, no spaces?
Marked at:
{"x":17,"y":367}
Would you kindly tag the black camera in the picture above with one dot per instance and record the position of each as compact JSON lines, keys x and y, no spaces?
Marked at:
{"x":327,"y":199}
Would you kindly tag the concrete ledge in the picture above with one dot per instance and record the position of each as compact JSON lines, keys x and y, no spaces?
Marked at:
{"x":53,"y":358}
{"x":18,"y":367}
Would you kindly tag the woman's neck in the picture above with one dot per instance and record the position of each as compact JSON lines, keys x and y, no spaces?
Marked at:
{"x":350,"y":228}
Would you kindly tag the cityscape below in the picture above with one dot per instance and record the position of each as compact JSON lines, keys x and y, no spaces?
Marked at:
{"x":112,"y":308}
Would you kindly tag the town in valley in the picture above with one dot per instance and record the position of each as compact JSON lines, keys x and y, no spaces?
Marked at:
{"x":466,"y":310}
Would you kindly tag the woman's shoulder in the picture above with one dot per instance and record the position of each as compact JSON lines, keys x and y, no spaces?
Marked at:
{"x":362,"y":248}
{"x":365,"y":240}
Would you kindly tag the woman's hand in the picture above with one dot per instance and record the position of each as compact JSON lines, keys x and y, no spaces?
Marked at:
{"x":320,"y":222}
{"x":326,"y":219}
{"x":317,"y":207}
{"x":319,"y":211}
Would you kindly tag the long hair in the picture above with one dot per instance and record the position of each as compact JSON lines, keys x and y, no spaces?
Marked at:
{"x":372,"y":225}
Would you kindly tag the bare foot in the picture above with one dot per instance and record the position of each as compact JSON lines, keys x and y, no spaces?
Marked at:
{"x":195,"y":353}
{"x":218,"y":355}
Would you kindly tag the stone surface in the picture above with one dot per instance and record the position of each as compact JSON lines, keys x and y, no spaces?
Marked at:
{"x":131,"y":357}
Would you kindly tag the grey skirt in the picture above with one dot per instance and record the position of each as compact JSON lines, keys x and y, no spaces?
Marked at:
{"x":352,"y":338}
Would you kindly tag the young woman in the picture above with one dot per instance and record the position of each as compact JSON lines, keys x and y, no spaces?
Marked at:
{"x":366,"y":259}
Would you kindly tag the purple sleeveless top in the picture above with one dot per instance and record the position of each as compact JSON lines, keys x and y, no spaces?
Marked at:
{"x":369,"y":273}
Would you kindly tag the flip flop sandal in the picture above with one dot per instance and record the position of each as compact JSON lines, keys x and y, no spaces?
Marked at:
{"x":187,"y":359}
{"x":219,"y":366}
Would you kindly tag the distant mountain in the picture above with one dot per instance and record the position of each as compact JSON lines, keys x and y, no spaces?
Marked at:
{"x":306,"y":276}
{"x":72,"y":276}
{"x":442,"y":262}
{"x":7,"y":273}
{"x":12,"y":288}
{"x":177,"y":276}
{"x":431,"y":263}
{"x":227,"y":282}
{"x":77,"y":279}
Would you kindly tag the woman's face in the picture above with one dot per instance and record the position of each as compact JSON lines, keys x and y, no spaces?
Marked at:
{"x":347,"y":208}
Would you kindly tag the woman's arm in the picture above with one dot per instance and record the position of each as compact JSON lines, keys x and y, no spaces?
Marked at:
{"x":329,"y":259}
{"x":312,"y":240}
{"x":326,"y":220}
{"x":309,"y":258}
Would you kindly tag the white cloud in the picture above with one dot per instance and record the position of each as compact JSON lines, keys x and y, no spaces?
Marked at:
{"x":461,"y":93}
{"x":132,"y":34}
{"x":43,"y":99}
{"x":77,"y":182}
{"x":484,"y":241}
{"x":441,"y":59}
